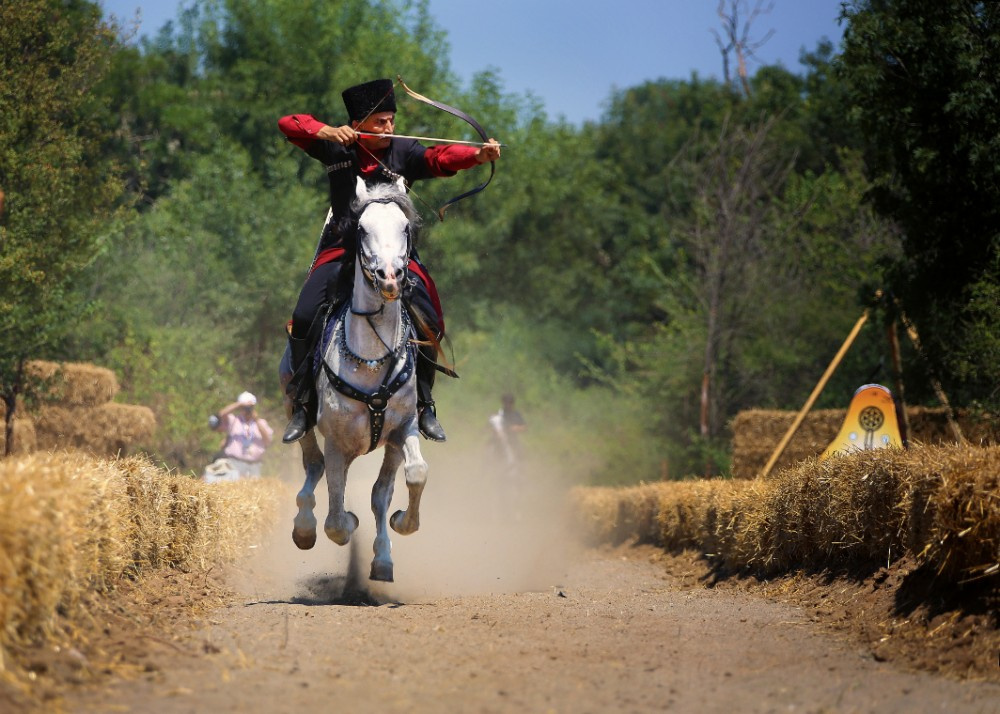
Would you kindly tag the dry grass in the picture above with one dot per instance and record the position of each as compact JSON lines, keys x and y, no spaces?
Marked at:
{"x":940,"y":504}
{"x":72,"y":524}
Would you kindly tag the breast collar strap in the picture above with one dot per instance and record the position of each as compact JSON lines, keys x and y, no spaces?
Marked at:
{"x":378,"y":400}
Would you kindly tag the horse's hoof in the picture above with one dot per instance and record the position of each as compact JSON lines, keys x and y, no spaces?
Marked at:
{"x":381,"y":571}
{"x":396,"y":522}
{"x":304,"y":541}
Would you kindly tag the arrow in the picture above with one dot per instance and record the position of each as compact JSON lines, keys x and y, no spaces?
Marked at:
{"x":422,"y":138}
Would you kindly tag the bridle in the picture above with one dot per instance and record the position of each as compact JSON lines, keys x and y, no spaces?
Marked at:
{"x":366,"y":262}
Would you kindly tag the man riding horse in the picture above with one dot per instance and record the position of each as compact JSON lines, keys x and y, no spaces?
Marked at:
{"x":347,"y":152}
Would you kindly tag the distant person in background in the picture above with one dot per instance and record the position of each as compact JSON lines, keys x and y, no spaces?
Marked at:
{"x":247,"y":437}
{"x":505,"y":427}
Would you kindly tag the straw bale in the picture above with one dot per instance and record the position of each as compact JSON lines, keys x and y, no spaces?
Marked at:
{"x":691,"y":513}
{"x":60,"y":524}
{"x":105,"y":430}
{"x":24,"y":439}
{"x":638,"y":510}
{"x":72,"y":524}
{"x":72,"y":384}
{"x":757,"y":432}
{"x":941,"y":504}
{"x":600,"y":511}
{"x":738,"y":523}
{"x":962,"y":529}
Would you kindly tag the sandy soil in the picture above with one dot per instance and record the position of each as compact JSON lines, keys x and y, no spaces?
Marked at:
{"x":495,"y":614}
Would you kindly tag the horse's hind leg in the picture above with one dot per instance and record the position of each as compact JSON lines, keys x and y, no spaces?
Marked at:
{"x":381,"y":498}
{"x":304,"y":530}
{"x":415,"y":470}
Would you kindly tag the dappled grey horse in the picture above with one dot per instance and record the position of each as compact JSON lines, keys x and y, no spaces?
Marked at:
{"x":366,"y":383}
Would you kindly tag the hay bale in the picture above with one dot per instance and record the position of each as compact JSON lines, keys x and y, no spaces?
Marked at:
{"x":60,"y":537}
{"x":940,"y":504}
{"x":72,"y":524}
{"x":23,"y":440}
{"x":71,"y":384}
{"x":688,"y":513}
{"x":638,"y":509}
{"x":106,"y":430}
{"x":960,"y":534}
{"x":600,"y":514}
{"x":757,"y":432}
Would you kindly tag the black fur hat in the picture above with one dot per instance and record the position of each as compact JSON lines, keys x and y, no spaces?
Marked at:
{"x":369,"y":98}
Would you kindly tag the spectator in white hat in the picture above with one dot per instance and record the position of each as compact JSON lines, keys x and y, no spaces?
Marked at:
{"x":247,"y":437}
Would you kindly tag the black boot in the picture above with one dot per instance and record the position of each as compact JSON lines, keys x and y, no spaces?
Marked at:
{"x":427,"y":419}
{"x":302,"y":390}
{"x":429,"y":425}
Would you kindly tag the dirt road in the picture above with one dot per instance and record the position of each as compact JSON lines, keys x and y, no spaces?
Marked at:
{"x":492,"y":614}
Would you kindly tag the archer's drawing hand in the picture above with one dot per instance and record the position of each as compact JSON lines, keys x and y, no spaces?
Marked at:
{"x":341,"y":134}
{"x":490,"y":151}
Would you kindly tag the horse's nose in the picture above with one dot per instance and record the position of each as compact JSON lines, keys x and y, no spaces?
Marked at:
{"x":390,"y":284}
{"x":397,"y":275}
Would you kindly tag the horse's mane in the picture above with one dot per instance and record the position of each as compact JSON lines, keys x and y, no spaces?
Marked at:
{"x":380,"y":192}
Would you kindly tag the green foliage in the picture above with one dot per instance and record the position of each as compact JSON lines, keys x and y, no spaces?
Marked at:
{"x":583,"y":435}
{"x":194,"y":305}
{"x":59,"y":186}
{"x":921,"y":78}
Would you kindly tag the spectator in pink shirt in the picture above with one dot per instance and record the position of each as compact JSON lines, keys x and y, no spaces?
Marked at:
{"x":247,"y":437}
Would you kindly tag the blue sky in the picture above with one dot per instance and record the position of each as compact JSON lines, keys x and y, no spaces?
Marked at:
{"x":571,"y":54}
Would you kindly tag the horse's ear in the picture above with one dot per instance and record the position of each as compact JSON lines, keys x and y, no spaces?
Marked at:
{"x":362,"y":189}
{"x":401,"y":184}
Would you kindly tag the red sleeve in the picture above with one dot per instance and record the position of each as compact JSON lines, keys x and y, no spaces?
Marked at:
{"x":300,"y":128}
{"x":448,"y":160}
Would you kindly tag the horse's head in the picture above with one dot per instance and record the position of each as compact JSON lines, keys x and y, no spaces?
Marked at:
{"x":386,"y":222}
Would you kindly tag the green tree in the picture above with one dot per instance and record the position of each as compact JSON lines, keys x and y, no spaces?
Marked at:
{"x":58,"y":181}
{"x":921,"y":76}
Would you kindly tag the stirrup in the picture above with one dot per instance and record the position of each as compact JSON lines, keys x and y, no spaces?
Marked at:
{"x":428,"y":423}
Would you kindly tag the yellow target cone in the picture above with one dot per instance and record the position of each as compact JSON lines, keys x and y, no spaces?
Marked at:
{"x":870,"y":423}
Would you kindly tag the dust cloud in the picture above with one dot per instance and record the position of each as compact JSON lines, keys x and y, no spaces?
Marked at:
{"x":482,"y":531}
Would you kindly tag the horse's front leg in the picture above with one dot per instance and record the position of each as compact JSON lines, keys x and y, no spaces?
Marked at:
{"x":340,"y":524}
{"x":381,"y":498}
{"x":304,"y":530}
{"x":415,"y":470}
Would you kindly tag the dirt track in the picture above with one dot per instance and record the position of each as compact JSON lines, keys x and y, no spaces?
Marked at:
{"x":493,"y":615}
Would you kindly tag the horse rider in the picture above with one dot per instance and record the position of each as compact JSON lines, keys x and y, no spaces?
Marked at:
{"x":371,"y":107}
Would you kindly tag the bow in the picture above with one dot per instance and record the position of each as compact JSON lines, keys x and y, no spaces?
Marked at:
{"x":468,"y":120}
